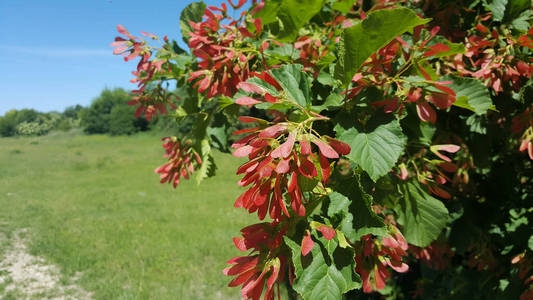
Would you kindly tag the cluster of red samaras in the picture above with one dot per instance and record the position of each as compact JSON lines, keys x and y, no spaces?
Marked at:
{"x":523,"y":124}
{"x":378,"y":70}
{"x":433,"y":174}
{"x":486,"y":60}
{"x":182,"y":161}
{"x":149,"y":102}
{"x":222,"y":64}
{"x":262,"y":265}
{"x":525,"y":265}
{"x":373,"y":256}
{"x":279,"y":156}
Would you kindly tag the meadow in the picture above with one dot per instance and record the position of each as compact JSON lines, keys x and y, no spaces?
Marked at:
{"x":92,"y":204}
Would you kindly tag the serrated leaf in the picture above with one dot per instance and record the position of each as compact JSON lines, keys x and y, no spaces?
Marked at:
{"x":470,"y":93}
{"x":208,"y":167}
{"x":268,"y":14}
{"x":522,"y":22}
{"x":360,"y":41}
{"x":376,"y":151}
{"x":497,"y":7}
{"x":515,"y":8}
{"x":477,"y":124}
{"x":422,"y":216}
{"x":326,"y":273}
{"x":294,"y":82}
{"x":333,"y":101}
{"x":293,"y":14}
{"x":351,"y":208}
{"x":283,"y":52}
{"x":192,"y":12}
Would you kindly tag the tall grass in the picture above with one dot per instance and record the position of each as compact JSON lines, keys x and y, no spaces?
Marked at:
{"x":92,"y":204}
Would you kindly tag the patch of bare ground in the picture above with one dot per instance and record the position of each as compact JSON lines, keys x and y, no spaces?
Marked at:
{"x":25,"y":276}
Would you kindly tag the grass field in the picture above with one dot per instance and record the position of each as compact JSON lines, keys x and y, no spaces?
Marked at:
{"x":92,"y":204}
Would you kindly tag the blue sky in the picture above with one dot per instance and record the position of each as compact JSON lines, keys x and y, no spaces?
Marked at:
{"x":56,"y":53}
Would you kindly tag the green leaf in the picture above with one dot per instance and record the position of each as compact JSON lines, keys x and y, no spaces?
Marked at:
{"x":415,"y":129}
{"x":294,"y":82}
{"x":422,"y":216}
{"x":192,"y":12}
{"x":325,"y":78}
{"x":515,"y":8}
{"x":208,"y":167}
{"x":497,"y":7}
{"x":376,"y":151}
{"x":350,"y":209}
{"x":470,"y":94}
{"x":477,"y":124}
{"x":333,"y":101}
{"x":326,"y":273}
{"x":286,"y":52}
{"x":268,"y":14}
{"x":293,"y":14}
{"x":522,"y":22}
{"x":343,"y":6}
{"x":530,"y":242}
{"x":354,"y":209}
{"x":360,"y":41}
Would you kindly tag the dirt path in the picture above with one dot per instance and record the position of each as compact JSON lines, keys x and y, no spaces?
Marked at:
{"x":24,"y":276}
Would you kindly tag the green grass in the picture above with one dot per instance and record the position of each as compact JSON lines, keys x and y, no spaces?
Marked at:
{"x":92,"y":204}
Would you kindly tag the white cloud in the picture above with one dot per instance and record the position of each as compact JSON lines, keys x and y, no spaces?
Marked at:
{"x":56,"y":52}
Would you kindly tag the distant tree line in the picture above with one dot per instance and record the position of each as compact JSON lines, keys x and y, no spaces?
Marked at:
{"x":109,"y":113}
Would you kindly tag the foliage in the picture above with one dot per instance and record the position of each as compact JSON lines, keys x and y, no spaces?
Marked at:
{"x":387,"y":141}
{"x":28,"y":122}
{"x":109,"y":113}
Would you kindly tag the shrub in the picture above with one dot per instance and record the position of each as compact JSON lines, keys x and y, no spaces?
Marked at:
{"x":97,"y":118}
{"x":389,"y":144}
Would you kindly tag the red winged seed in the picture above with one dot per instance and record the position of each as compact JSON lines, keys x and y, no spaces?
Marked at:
{"x":259,"y":143}
{"x":426,"y":112}
{"x":251,"y":88}
{"x":292,"y":182}
{"x":285,"y":149}
{"x":325,"y":149}
{"x":242,"y":278}
{"x":436,"y":49}
{"x":245,"y":130}
{"x":239,"y":243}
{"x":271,"y":99}
{"x":248,"y":166}
{"x":341,"y":147}
{"x":448,"y":148}
{"x":327,"y":232}
{"x":263,"y":209}
{"x":296,"y":203}
{"x":307,"y":244}
{"x":283,"y":166}
{"x":243,"y":151}
{"x":271,"y":280}
{"x":325,"y":168}
{"x":442,"y":101}
{"x":272,"y":131}
{"x":305,"y":147}
{"x":246,"y":119}
{"x":307,"y":167}
{"x":247,"y":101}
{"x":240,"y":259}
